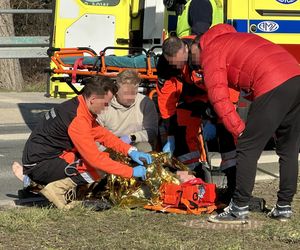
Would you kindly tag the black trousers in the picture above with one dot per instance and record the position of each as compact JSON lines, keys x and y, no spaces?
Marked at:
{"x":52,"y":170}
{"x":276,"y":112}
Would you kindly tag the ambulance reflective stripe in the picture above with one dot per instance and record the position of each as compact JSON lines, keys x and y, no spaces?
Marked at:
{"x":267,"y":26}
{"x":228,"y":160}
{"x":276,"y":26}
{"x":241,"y":25}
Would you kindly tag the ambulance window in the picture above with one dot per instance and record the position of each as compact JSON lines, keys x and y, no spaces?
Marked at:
{"x":101,"y":2}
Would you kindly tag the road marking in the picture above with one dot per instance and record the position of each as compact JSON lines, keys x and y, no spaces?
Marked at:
{"x":12,"y":137}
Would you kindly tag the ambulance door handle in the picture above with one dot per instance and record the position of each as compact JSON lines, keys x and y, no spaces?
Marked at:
{"x":278,"y":12}
{"x":122,"y":41}
{"x":253,"y":28}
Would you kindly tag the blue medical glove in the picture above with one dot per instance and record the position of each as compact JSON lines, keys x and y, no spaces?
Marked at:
{"x":209,"y":131}
{"x":126,"y":139}
{"x":170,"y":145}
{"x":137,"y":155}
{"x":139,"y":171}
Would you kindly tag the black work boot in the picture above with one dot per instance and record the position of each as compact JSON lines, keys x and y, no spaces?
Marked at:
{"x":281,"y":213}
{"x":232,"y":214}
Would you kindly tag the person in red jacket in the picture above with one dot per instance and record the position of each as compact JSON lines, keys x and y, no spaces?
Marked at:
{"x":269,"y":76}
{"x":61,"y":152}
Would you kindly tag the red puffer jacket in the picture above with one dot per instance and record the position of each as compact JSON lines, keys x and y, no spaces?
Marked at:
{"x":245,"y":62}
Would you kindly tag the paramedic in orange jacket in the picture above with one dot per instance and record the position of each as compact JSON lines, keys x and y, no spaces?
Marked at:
{"x":183,"y":102}
{"x":61,"y":152}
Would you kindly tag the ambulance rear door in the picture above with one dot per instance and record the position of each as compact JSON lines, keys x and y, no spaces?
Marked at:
{"x":153,"y":23}
{"x":92,"y":23}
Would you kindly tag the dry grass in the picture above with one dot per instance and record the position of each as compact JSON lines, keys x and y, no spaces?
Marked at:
{"x":48,"y":228}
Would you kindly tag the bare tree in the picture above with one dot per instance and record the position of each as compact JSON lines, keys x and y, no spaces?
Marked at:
{"x":10,"y":69}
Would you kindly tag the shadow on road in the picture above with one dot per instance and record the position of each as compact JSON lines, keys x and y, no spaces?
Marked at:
{"x":33,"y":112}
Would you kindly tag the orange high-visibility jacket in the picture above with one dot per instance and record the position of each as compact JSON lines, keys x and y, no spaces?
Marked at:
{"x":70,"y":129}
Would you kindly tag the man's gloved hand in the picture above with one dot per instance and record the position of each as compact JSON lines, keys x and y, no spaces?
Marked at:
{"x":137,"y":155}
{"x":209,"y":131}
{"x":170,"y":145}
{"x":139,"y":171}
{"x":126,"y":139}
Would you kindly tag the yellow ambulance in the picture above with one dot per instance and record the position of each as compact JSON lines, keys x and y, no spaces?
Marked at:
{"x":97,"y":24}
{"x":275,"y":20}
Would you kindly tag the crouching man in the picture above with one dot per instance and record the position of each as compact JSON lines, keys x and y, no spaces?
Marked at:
{"x":61,"y":152}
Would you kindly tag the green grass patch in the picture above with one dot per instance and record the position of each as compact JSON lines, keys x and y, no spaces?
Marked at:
{"x":50,"y":228}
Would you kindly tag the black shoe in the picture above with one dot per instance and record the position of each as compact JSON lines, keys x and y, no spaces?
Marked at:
{"x":232,"y":214}
{"x":257,"y":204}
{"x":26,"y":193}
{"x":281,"y":213}
{"x":97,"y":205}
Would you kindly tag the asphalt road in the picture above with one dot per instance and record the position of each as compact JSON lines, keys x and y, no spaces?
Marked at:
{"x":19,"y":113}
{"x":10,"y":149}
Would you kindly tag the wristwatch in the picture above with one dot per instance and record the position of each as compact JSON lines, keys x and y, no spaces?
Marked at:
{"x":132,"y":138}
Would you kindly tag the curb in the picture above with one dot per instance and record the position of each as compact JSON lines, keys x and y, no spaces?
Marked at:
{"x":7,"y":204}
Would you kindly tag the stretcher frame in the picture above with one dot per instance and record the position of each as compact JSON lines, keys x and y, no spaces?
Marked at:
{"x":78,"y":72}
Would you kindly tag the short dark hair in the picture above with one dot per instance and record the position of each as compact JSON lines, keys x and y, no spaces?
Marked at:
{"x":99,"y":85}
{"x":172,"y":45}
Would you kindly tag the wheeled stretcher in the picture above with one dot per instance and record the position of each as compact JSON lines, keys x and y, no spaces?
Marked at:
{"x":74,"y":65}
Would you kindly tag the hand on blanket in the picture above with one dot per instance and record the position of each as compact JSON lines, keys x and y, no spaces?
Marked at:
{"x":139,"y":171}
{"x":170,"y":145}
{"x":137,"y":156}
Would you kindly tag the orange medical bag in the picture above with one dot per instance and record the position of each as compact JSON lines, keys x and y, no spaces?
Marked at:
{"x":192,"y":197}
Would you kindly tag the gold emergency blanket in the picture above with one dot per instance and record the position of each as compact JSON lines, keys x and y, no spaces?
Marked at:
{"x":136,"y":193}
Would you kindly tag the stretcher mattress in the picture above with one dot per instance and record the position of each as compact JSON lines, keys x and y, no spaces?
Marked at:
{"x":137,"y":61}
